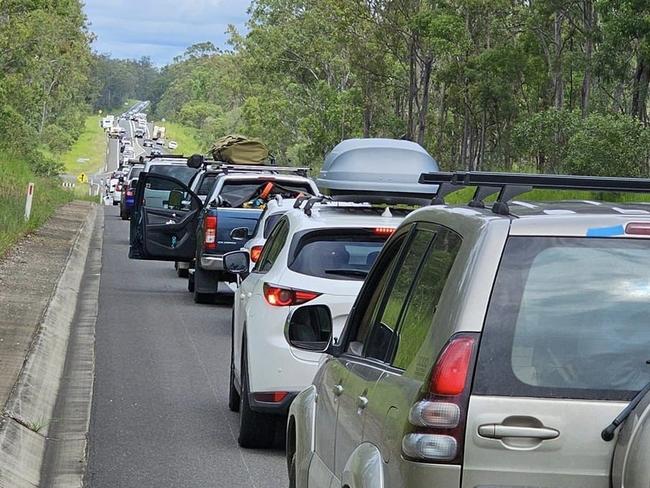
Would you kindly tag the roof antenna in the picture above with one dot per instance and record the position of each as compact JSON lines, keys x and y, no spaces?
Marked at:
{"x":387,"y":213}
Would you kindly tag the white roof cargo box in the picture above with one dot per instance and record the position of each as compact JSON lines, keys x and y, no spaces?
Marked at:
{"x":377,"y":171}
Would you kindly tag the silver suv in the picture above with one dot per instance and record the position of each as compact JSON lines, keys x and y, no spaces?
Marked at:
{"x":488,"y":347}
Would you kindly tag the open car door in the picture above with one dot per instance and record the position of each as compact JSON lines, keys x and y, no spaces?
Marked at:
{"x":164,"y":220}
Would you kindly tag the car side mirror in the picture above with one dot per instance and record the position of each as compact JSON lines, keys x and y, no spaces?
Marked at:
{"x":195,"y":161}
{"x":309,"y":328}
{"x":237,"y":263}
{"x":239,"y":234}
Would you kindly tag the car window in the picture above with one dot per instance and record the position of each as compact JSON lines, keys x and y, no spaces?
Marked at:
{"x":568,"y":318}
{"x":273,"y":247}
{"x":207,"y":184}
{"x":384,"y":323}
{"x":257,"y":193}
{"x":270,"y":222}
{"x":425,"y":293}
{"x":336,"y":254}
{"x":180,"y":172}
{"x":165,"y":194}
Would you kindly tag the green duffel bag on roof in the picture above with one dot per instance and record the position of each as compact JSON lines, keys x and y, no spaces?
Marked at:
{"x":239,"y":150}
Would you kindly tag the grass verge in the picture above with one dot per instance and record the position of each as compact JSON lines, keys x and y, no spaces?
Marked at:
{"x":186,"y":137}
{"x":15,"y":175}
{"x":88,"y":154}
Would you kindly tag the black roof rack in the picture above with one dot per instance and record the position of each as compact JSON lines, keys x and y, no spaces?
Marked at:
{"x":166,"y":156}
{"x":509,"y":185}
{"x":243,"y":168}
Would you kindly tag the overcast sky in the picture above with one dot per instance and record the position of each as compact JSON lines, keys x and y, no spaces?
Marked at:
{"x":161,"y":29}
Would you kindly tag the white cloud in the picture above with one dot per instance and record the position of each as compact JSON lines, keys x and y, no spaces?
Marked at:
{"x":161,"y":29}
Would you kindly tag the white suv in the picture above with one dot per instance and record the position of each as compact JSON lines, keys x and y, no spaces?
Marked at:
{"x":318,"y":254}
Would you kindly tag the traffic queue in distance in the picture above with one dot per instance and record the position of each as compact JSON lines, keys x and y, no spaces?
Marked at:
{"x":401,"y":341}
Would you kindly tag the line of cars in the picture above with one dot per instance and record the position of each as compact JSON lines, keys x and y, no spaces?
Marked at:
{"x":401,"y":344}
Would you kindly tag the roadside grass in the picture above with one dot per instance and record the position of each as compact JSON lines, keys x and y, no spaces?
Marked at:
{"x":186,"y":137}
{"x":15,"y":175}
{"x":88,"y":154}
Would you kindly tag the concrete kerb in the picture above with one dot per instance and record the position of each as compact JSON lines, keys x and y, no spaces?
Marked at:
{"x":28,"y":413}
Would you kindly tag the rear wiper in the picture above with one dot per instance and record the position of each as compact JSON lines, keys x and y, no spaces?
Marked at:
{"x":608,"y":432}
{"x":347,"y":272}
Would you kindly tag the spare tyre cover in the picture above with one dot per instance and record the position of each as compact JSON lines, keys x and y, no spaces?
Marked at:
{"x":631,"y":464}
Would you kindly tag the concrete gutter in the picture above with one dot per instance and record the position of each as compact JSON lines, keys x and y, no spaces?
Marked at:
{"x":28,"y":418}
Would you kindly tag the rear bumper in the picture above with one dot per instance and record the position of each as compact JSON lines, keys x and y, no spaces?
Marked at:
{"x":212,"y":263}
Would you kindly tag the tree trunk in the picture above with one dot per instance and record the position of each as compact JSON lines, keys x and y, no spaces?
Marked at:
{"x":424,"y":106}
{"x":558,"y":81}
{"x":640,"y":89}
{"x":589,"y":22}
{"x":410,"y":121}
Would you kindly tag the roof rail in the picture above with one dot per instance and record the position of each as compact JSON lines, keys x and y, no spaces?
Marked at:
{"x":509,"y":185}
{"x":312,"y":201}
{"x":166,"y":156}
{"x":242,"y":168}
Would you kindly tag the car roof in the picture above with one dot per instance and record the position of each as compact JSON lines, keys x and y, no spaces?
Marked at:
{"x":571,"y":218}
{"x":343,"y":215}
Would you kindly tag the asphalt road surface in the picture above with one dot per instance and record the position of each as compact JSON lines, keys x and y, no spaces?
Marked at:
{"x":160,"y":416}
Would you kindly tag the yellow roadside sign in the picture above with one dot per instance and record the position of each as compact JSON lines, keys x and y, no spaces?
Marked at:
{"x":82,"y":178}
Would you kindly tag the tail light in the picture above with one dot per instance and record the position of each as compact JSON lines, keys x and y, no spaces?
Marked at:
{"x":638,"y":228}
{"x":256,"y":252}
{"x":284,"y":297}
{"x":439,"y":418}
{"x":130,"y":192}
{"x":210,"y":233}
{"x":271,"y":397}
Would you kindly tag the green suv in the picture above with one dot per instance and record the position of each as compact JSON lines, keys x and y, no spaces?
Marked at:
{"x":490,"y":346}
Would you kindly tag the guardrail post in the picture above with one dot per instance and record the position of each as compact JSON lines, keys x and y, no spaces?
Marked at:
{"x":28,"y":201}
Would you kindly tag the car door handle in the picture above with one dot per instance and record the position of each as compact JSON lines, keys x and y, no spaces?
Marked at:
{"x":362,"y":402}
{"x":500,"y":431}
{"x":338,"y":390}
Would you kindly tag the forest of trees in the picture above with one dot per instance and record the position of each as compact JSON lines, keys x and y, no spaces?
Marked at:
{"x":525,"y":85}
{"x":537,"y":85}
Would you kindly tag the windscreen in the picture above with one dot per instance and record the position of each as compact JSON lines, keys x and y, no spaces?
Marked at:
{"x":568,"y":318}
{"x":344,"y":254}
{"x":255,"y":194}
{"x":180,"y":172}
{"x":135,"y":172}
{"x":270,"y":223}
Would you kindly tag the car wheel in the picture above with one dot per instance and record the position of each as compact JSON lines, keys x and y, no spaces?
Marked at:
{"x":124,"y":215}
{"x":204,"y":297}
{"x":190,"y":283}
{"x":115,"y":204}
{"x":233,"y":394}
{"x":256,"y":430}
{"x":292,"y":471}
{"x":183,"y":272}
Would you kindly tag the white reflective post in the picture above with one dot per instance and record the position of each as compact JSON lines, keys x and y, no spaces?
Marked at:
{"x":28,"y":201}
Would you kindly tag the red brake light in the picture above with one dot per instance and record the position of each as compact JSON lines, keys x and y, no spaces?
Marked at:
{"x":638,"y":228}
{"x":256,"y":252}
{"x":450,"y":373}
{"x":383,"y":231}
{"x":284,"y":297}
{"x":210,"y":232}
{"x":439,"y":418}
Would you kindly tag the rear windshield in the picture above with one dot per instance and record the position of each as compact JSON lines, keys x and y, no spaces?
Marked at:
{"x":568,"y":318}
{"x":207,"y":184}
{"x":180,"y":172}
{"x":135,"y":172}
{"x":256,"y":194}
{"x":345,"y":254}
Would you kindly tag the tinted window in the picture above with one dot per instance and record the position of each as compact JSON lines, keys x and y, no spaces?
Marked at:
{"x":135,"y":172}
{"x":424,"y":296}
{"x":385,"y":322}
{"x":344,"y":254}
{"x":237,"y":194}
{"x":568,"y":318}
{"x":270,"y":223}
{"x":207,"y":184}
{"x":165,"y":194}
{"x":180,"y":172}
{"x":273,"y":247}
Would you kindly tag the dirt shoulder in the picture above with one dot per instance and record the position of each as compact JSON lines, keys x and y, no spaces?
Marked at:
{"x":28,"y":276}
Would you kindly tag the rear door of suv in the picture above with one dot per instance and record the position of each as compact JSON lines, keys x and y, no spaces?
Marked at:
{"x":563,"y":348}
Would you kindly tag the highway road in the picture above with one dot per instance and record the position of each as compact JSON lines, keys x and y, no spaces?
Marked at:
{"x":160,"y":416}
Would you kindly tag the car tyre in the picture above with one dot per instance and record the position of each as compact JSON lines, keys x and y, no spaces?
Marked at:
{"x":292,"y":471}
{"x":204,"y":297}
{"x":124,"y":215}
{"x":183,"y":272}
{"x":233,"y":394}
{"x":190,"y":283}
{"x":256,"y":430}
